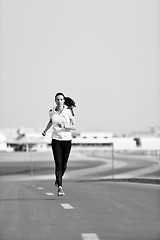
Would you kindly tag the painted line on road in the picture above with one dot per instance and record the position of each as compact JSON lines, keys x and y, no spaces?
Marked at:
{"x":89,"y":236}
{"x":66,"y":206}
{"x":49,"y":193}
{"x":40,"y":188}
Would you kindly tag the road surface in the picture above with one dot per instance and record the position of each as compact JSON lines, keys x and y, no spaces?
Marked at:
{"x":90,"y":210}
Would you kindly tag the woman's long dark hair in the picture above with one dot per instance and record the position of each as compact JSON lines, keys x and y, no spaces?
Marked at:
{"x":69,"y":102}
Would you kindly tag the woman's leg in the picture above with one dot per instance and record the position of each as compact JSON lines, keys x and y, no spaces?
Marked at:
{"x":66,"y":148}
{"x":57,"y":153}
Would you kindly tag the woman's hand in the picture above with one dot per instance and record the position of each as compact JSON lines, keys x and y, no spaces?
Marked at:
{"x":44,"y":133}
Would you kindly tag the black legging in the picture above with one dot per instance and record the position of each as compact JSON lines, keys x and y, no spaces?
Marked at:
{"x":61,"y":150}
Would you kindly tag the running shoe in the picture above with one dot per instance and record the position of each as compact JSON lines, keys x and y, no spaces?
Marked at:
{"x":60,"y":191}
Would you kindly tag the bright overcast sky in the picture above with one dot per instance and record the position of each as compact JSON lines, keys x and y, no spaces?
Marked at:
{"x":102,"y":53}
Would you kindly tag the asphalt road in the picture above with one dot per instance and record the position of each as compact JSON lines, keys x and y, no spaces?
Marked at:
{"x":31,"y":210}
{"x":91,"y":209}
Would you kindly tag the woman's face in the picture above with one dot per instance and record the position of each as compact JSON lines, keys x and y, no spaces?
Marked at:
{"x":60,"y":101}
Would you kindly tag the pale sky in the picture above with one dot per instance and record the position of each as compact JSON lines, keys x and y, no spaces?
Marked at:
{"x":103,"y":53}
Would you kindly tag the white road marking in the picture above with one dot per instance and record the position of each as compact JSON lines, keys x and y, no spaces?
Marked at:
{"x":49,"y":193}
{"x":40,"y":188}
{"x":89,"y":236}
{"x":66,"y":206}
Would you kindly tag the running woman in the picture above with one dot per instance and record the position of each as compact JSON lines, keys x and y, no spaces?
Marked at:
{"x":63,"y":121}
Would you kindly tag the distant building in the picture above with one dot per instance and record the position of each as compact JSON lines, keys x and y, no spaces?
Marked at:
{"x":40,"y":147}
{"x":3,"y":143}
{"x":92,"y":139}
{"x":96,"y":135}
{"x":150,"y":132}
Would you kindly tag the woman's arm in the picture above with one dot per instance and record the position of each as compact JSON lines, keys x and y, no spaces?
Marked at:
{"x":47,"y":127}
{"x":71,"y":126}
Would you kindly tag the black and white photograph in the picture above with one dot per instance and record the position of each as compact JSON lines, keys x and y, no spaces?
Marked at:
{"x":79,"y":120}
